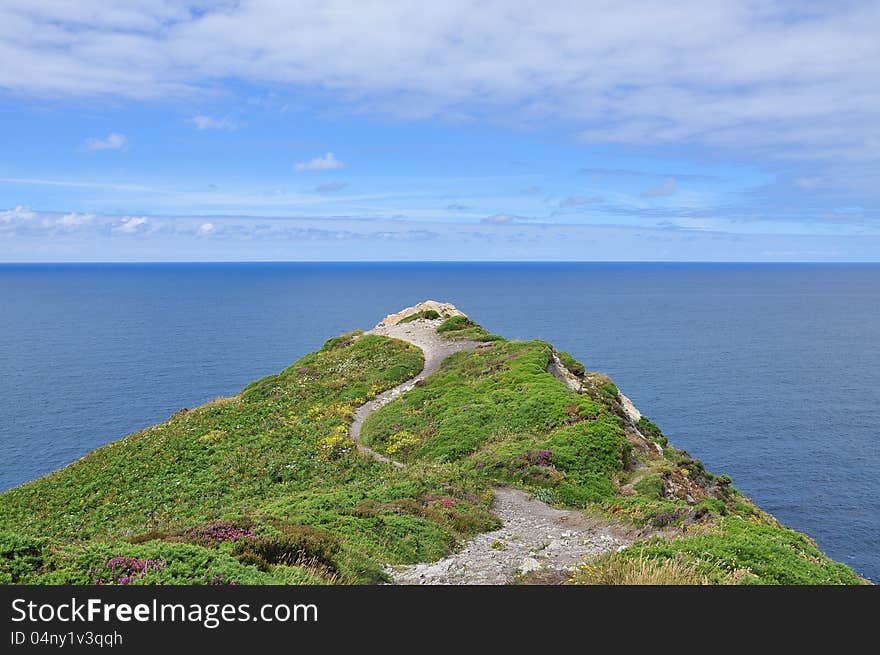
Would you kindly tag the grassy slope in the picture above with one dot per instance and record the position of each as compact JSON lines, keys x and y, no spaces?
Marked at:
{"x":277,"y":455}
{"x":265,"y":487}
{"x":496,"y":414}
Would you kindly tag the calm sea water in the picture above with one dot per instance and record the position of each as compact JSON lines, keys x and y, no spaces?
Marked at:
{"x":769,"y":373}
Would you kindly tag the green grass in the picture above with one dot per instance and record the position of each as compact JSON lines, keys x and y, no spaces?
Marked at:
{"x":747,"y":551}
{"x":272,"y":453}
{"x":498,"y":413}
{"x":573,"y":365}
{"x":461,"y":327}
{"x":475,"y":398}
{"x":274,"y":468}
{"x":426,"y":313}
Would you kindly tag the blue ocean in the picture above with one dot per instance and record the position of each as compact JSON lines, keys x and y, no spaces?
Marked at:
{"x":770,"y":373}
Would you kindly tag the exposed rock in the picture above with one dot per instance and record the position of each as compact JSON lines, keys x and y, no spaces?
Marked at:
{"x":558,"y":370}
{"x":629,"y":409}
{"x":445,"y":309}
{"x":535,"y":537}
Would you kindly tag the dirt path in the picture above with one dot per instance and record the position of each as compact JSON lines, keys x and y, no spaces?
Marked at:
{"x":536,"y":538}
{"x":422,"y":334}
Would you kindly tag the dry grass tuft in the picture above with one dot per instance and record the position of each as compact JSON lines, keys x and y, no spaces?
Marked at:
{"x":617,"y":570}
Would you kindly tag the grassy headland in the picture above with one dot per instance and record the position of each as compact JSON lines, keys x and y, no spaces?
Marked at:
{"x":266,"y":487}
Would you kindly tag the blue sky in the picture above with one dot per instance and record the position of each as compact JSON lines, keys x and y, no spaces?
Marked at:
{"x":260,"y":130}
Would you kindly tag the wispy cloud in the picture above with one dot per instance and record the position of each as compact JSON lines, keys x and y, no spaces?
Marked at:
{"x":504,"y":219}
{"x":113,"y":141}
{"x":48,"y":236}
{"x":203,"y":122}
{"x":330,"y":187}
{"x":665,"y":188}
{"x":808,"y":182}
{"x":132,"y":225}
{"x":579,"y":201}
{"x":630,"y":172}
{"x":325,"y":162}
{"x":75,"y":184}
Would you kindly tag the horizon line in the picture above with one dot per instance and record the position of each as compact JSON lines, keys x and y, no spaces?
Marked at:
{"x":432,"y":261}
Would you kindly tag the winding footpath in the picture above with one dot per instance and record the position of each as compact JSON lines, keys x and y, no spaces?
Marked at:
{"x":535,"y":538}
{"x":423,"y":335}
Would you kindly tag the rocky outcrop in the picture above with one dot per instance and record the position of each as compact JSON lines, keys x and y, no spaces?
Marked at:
{"x":632,"y":413}
{"x":558,"y":370}
{"x":444,"y":309}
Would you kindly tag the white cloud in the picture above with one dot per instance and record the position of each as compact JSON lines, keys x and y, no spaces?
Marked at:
{"x":17,"y":214}
{"x":205,"y":229}
{"x":323,"y":163}
{"x":23,"y":221}
{"x":113,"y":141}
{"x":719,"y":72}
{"x":75,"y":220}
{"x":666,"y":188}
{"x":132,"y":225}
{"x":202,"y":122}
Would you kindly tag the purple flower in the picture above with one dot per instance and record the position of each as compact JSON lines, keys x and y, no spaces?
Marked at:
{"x":539,"y":457}
{"x":218,"y":580}
{"x":217,"y":532}
{"x":665,"y":518}
{"x":123,"y":570}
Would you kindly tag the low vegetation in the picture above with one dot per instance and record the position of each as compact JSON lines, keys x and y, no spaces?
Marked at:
{"x":461,"y":327}
{"x":242,"y":490}
{"x":620,"y":569}
{"x":497,"y":415}
{"x":428,"y":314}
{"x":573,"y":365}
{"x":267,"y":488}
{"x":732,"y":550}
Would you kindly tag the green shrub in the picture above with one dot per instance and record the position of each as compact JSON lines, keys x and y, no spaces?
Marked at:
{"x":752,"y":550}
{"x":21,"y":557}
{"x":429,"y":314}
{"x":341,"y":341}
{"x":573,"y":365}
{"x":609,"y":390}
{"x":461,"y":327}
{"x":161,"y":562}
{"x":455,"y":323}
{"x":297,"y":544}
{"x":251,"y":558}
{"x":152,"y":535}
{"x":650,"y":487}
{"x":650,"y":429}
